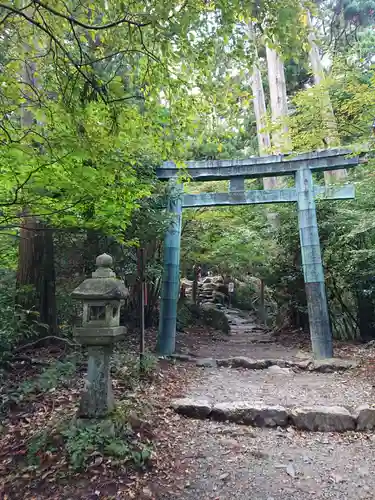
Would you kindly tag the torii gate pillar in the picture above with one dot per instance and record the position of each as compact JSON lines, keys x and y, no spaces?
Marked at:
{"x":320,"y":330}
{"x":171,"y":275}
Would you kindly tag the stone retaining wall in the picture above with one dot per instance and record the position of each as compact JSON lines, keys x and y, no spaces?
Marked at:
{"x":211,"y":289}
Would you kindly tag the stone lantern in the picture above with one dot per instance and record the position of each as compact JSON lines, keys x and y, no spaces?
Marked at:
{"x":102,"y":296}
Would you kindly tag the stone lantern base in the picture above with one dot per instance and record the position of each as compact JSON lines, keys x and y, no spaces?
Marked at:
{"x":97,"y":398}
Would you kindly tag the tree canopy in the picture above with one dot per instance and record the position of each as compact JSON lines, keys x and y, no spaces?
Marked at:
{"x":95,"y":94}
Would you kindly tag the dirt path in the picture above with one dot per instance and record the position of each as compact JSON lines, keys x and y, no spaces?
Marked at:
{"x":246,"y":339}
{"x":225,"y":461}
{"x":231,"y":462}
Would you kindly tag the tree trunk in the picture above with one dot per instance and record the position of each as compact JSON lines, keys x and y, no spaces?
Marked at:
{"x":328,"y":117}
{"x":36,"y":274}
{"x":366,"y":312}
{"x":260,"y":111}
{"x":279,"y":112}
{"x":279,"y":104}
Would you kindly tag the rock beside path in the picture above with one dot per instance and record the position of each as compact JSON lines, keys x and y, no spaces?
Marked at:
{"x":332,"y":365}
{"x":242,"y":412}
{"x":365,"y":417}
{"x":323,"y":419}
{"x":192,"y":407}
{"x":243,"y":362}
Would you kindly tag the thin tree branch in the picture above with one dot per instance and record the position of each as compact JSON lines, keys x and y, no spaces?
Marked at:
{"x":47,"y":31}
{"x":49,"y":337}
{"x":71,"y":19}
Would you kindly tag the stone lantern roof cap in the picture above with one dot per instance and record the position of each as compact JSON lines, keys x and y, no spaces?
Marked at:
{"x":103,"y":285}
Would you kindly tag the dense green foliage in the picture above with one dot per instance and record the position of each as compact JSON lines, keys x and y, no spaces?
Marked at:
{"x":92,"y":99}
{"x":240,"y":242}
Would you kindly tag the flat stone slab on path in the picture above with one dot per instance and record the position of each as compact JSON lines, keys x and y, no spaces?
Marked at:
{"x":192,"y":408}
{"x":324,"y":419}
{"x":249,"y":414}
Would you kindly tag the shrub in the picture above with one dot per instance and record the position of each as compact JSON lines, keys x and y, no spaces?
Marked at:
{"x":126,"y":367}
{"x":58,"y":374}
{"x":245,"y":297}
{"x":16,"y":325}
{"x":83,"y":442}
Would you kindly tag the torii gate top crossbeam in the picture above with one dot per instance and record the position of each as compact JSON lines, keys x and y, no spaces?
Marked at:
{"x":265,"y":166}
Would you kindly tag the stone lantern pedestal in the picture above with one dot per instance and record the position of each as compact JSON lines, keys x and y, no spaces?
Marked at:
{"x":102,"y":296}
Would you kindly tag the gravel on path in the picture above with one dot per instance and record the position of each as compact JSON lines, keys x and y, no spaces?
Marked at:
{"x":226,"y":461}
{"x":242,"y":347}
{"x":285,"y":388}
{"x":231,"y":462}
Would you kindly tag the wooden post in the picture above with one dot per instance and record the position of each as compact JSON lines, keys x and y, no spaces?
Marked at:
{"x":262,"y":306}
{"x":171,"y":277}
{"x":320,"y":331}
{"x":194,"y":291}
{"x":230,"y":292}
{"x":141,"y":273}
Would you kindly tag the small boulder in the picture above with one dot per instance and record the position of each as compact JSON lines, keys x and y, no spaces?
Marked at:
{"x":281,"y":363}
{"x":243,"y":362}
{"x":206,"y":362}
{"x":215,"y":318}
{"x":277,"y":370}
{"x":243,"y":412}
{"x":332,"y":365}
{"x":323,"y":419}
{"x":193,"y":408}
{"x":303,"y":365}
{"x":365,"y":417}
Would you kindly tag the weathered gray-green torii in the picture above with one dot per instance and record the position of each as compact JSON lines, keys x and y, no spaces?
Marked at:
{"x":304,"y":193}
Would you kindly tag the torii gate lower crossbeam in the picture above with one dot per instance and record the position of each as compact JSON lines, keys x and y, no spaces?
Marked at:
{"x":304,"y":193}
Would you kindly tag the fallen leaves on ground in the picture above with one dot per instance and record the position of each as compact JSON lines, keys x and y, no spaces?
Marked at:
{"x":53,"y":478}
{"x":151,"y":415}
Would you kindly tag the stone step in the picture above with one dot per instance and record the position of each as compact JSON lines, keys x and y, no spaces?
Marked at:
{"x":321,"y":366}
{"x":312,"y":418}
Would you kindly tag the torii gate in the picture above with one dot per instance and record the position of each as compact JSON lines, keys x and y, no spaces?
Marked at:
{"x":304,"y":193}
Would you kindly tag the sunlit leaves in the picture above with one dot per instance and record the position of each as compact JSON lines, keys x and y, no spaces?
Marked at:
{"x":94,"y":94}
